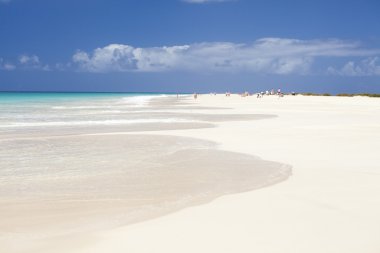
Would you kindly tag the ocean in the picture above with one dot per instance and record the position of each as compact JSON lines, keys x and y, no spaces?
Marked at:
{"x":22,"y":111}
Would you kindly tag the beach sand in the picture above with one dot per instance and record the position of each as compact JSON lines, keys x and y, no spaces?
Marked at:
{"x":330,"y":203}
{"x":63,"y":181}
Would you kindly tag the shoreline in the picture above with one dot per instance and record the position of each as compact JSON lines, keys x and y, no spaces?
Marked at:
{"x":74,"y":182}
{"x":328,"y":205}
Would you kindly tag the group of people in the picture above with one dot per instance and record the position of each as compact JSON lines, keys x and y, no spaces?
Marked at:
{"x":259,"y":94}
{"x":262,"y":93}
{"x":268,"y":93}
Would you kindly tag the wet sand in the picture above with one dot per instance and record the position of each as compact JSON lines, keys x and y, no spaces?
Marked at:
{"x":62,"y":186}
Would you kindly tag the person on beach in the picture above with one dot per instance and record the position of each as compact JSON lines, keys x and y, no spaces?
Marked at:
{"x":195,"y":95}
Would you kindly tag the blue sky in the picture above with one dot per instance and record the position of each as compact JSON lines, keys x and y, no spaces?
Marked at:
{"x":190,"y":45}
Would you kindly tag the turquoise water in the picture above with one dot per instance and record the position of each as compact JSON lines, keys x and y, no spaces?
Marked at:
{"x":41,"y":111}
{"x":27,"y":97}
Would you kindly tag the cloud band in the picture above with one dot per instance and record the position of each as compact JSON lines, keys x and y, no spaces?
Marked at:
{"x":267,"y":55}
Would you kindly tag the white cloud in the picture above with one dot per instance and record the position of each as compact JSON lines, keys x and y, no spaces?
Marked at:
{"x":26,"y":59}
{"x":45,"y":67}
{"x":268,"y":55}
{"x":32,"y":62}
{"x":6,"y":65}
{"x":9,"y":66}
{"x":61,"y":66}
{"x":366,"y":67}
{"x":206,"y":1}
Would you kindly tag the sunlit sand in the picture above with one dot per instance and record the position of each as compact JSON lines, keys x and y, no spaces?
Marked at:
{"x":290,"y":174}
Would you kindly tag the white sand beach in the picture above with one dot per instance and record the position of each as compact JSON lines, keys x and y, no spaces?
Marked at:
{"x":190,"y":126}
{"x":330,"y":204}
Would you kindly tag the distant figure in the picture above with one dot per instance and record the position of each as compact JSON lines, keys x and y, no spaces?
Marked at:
{"x":195,"y":95}
{"x":278,"y":91}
